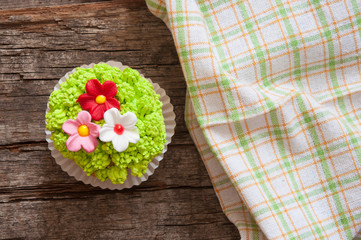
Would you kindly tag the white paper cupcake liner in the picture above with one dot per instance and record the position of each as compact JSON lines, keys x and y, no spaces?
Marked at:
{"x":75,"y":171}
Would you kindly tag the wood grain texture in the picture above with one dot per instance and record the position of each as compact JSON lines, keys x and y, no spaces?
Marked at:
{"x":14,"y":4}
{"x":38,"y":200}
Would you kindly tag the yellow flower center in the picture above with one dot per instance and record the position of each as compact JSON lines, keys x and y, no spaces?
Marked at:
{"x":100,"y":99}
{"x":83,"y":130}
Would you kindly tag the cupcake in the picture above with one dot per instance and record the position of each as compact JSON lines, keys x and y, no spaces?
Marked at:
{"x":108,"y":121}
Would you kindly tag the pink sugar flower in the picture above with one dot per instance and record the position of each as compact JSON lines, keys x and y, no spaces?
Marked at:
{"x":82,"y":133}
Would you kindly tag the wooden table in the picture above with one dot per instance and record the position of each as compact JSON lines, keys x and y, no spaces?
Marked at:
{"x":39,"y":42}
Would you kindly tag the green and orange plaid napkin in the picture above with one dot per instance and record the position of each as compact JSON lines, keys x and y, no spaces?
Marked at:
{"x":274,"y":107}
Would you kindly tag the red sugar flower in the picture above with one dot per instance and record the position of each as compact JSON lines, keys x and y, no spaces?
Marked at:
{"x":99,"y":98}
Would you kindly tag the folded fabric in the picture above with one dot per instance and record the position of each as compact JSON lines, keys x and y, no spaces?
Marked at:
{"x":274,"y":108}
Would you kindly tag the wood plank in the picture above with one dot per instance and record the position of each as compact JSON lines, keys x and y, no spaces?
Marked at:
{"x":14,"y":4}
{"x":29,"y":165}
{"x":192,"y":214}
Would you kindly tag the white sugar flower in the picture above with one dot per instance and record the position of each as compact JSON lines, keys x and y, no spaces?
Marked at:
{"x":120,"y":129}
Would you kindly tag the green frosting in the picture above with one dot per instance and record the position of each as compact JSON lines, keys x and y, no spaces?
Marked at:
{"x":135,"y":94}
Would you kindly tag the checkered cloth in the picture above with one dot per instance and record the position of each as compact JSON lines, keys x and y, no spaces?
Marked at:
{"x":274,"y":107}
